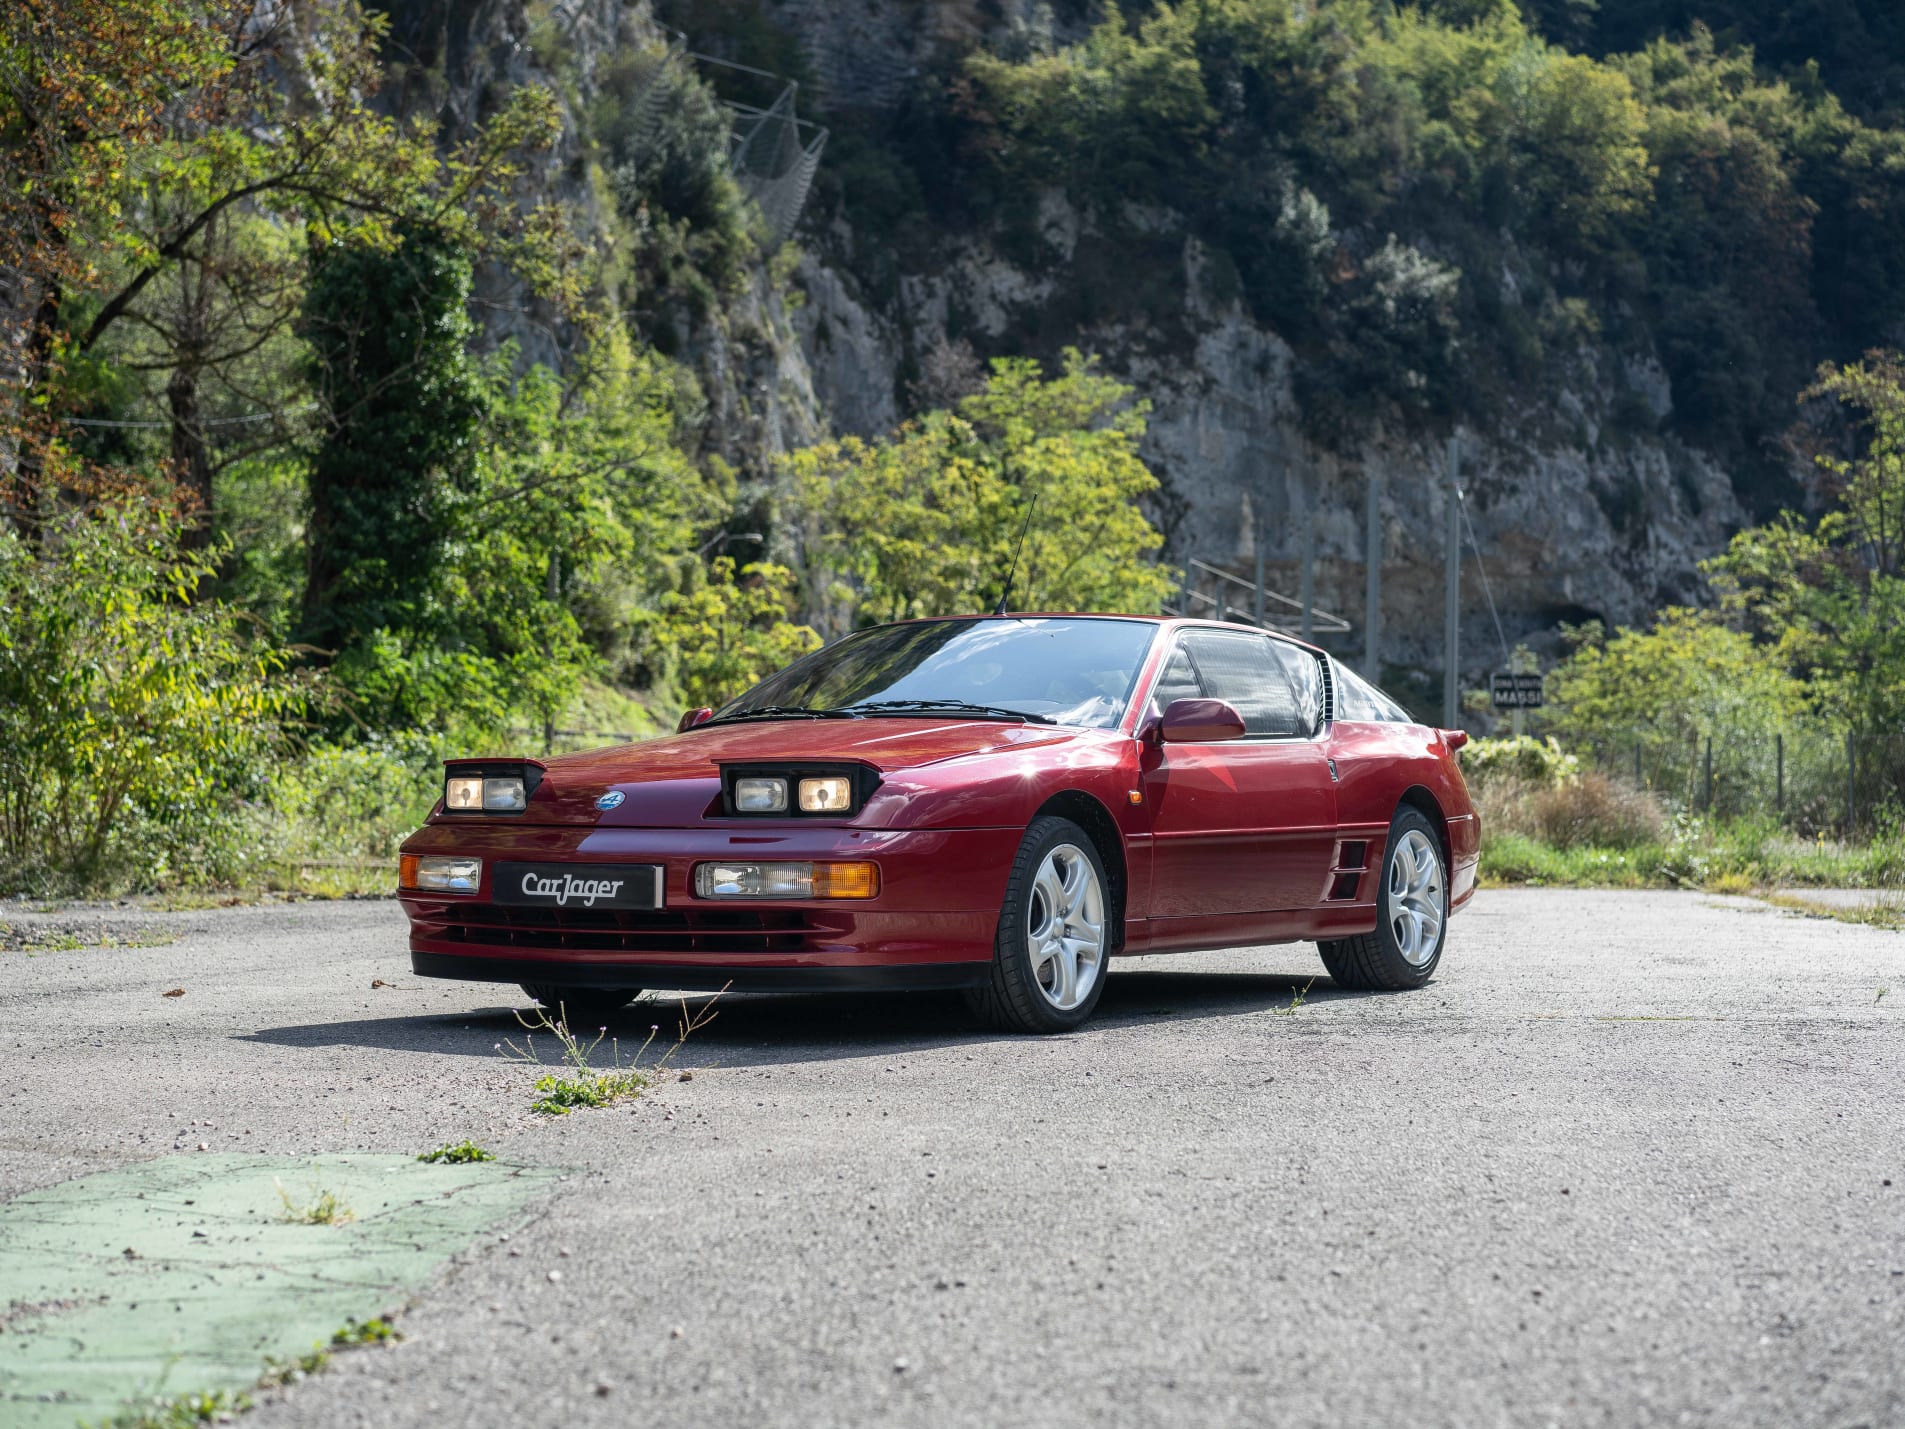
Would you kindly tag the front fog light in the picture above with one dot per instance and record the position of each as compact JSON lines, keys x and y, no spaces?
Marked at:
{"x":824,"y":796}
{"x":760,"y":796}
{"x":787,"y":880}
{"x":440,"y":873}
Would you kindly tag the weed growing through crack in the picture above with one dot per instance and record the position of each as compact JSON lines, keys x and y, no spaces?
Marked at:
{"x":186,"y":1411}
{"x":279,"y":1373}
{"x":1297,"y":997}
{"x":326,"y":1209}
{"x":463,"y":1152}
{"x":584,"y":1084}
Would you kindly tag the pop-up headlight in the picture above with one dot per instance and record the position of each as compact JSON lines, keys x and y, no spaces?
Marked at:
{"x":796,"y":790}
{"x":476,"y":789}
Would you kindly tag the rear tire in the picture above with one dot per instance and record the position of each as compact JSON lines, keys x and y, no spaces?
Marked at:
{"x":580,"y":1007}
{"x":1412,"y":914}
{"x":1055,"y":936}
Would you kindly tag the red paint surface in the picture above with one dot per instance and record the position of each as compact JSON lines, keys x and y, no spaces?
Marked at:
{"x":1235,"y":842}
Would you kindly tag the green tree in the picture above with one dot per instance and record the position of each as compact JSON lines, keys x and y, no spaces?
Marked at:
{"x":731,"y":631}
{"x":1667,"y":691}
{"x":1829,"y":595}
{"x":928,"y":521}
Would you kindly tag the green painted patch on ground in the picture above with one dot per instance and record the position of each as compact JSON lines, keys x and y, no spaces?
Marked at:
{"x":186,"y":1274}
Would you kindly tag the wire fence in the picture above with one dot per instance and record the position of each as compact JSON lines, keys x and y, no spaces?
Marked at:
{"x":1812,"y":779}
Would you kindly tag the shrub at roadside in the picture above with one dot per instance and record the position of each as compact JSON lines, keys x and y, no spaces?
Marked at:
{"x":136,"y":722}
{"x":1523,"y":758}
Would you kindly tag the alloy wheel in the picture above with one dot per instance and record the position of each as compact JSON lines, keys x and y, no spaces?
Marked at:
{"x":1065,"y":927}
{"x":1416,"y":906}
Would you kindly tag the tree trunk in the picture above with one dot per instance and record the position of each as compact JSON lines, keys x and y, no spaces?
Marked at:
{"x":191,"y":462}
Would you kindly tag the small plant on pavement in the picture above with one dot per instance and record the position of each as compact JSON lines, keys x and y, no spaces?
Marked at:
{"x":584,"y":1084}
{"x":325,"y":1209}
{"x":186,"y":1411}
{"x":1297,"y":997}
{"x":464,"y":1151}
{"x":377,"y":1331}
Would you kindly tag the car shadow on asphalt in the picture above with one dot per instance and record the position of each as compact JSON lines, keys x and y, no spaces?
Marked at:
{"x":766,"y":1028}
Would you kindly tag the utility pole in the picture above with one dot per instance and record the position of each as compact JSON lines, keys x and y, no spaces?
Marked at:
{"x":1257,"y":607}
{"x":1372,"y":575}
{"x":1306,"y":591}
{"x":1452,"y":614}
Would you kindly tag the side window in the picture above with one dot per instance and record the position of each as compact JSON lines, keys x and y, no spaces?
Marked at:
{"x":1242,"y":671}
{"x":1177,"y":681}
{"x":1306,"y":680}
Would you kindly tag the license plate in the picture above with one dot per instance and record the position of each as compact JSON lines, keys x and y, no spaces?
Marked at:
{"x":578,"y":885}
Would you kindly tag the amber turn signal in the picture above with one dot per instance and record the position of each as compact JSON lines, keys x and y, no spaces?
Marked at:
{"x":407,"y":870}
{"x":846,"y":880}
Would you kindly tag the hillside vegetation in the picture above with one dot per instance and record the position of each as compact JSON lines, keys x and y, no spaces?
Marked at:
{"x":1447,"y":210}
{"x":348,"y":419}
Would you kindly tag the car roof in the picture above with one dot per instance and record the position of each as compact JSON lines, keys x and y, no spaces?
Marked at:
{"x":1172,"y":622}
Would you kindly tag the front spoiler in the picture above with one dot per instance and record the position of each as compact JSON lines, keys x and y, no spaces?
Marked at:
{"x":699,"y":977}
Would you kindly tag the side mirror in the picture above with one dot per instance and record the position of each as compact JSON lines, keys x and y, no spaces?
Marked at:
{"x":691,"y":718}
{"x":1200,"y":722}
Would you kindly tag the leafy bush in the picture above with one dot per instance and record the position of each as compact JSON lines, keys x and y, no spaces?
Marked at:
{"x":135,"y":720}
{"x":1538,"y":762}
{"x":355,"y":801}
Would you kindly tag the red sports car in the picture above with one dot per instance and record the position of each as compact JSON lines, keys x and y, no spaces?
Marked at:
{"x":998,"y":804}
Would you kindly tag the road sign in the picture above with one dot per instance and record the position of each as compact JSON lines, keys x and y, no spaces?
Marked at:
{"x":1508,"y":690}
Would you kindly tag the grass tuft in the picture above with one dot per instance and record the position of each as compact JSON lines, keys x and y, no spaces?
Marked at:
{"x":325,"y":1209}
{"x":463,"y":1152}
{"x":584,"y":1084}
{"x":180,"y":1412}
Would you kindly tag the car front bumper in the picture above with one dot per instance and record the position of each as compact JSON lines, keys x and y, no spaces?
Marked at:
{"x":932,"y":924}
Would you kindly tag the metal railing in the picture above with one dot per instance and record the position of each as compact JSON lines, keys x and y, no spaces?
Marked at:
{"x":1245,"y":601}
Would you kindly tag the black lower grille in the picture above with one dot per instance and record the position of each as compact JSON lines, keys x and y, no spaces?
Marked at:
{"x":712,"y":930}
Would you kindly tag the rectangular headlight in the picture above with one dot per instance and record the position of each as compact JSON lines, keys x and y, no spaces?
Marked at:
{"x":787,"y":880}
{"x":504,"y":795}
{"x":760,"y":795}
{"x":440,"y":873}
{"x":463,"y":791}
{"x":826,"y":795}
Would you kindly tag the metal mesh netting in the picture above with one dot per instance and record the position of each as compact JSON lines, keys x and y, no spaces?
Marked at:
{"x":775,"y":154}
{"x":772,"y":152}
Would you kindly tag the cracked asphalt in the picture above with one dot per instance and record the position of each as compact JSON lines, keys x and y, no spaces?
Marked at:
{"x":1631,"y":1159}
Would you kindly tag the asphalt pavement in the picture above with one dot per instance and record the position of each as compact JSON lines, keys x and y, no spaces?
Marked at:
{"x":1631,"y":1159}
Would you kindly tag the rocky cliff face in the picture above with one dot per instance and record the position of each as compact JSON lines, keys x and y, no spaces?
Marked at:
{"x":452,"y":60}
{"x":1570,"y":524}
{"x":1571,"y":521}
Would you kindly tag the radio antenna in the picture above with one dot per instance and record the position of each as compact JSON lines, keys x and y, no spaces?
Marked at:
{"x":1005,"y":596}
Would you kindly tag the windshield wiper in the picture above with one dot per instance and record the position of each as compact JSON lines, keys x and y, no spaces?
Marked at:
{"x":779,"y":712}
{"x":947,"y":707}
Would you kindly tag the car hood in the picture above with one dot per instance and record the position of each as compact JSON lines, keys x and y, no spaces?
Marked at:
{"x":676,"y":780}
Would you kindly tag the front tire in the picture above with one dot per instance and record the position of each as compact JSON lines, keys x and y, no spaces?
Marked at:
{"x":580,"y":1007}
{"x":1412,"y":914}
{"x":1054,"y":937}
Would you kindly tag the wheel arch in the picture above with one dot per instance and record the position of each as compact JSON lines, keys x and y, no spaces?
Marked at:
{"x":1095,"y":819}
{"x":1418,"y":797}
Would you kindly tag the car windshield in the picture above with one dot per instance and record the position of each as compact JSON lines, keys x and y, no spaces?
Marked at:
{"x":1062,"y":670}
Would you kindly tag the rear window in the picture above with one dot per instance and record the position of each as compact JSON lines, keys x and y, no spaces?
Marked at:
{"x":1360,"y":702}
